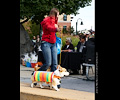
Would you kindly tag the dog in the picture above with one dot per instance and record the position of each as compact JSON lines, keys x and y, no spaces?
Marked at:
{"x":51,"y":78}
{"x":63,"y":71}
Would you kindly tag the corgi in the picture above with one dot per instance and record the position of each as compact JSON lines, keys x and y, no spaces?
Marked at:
{"x":51,"y":78}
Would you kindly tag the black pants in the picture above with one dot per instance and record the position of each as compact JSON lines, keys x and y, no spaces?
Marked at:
{"x":84,"y":69}
{"x":40,"y":57}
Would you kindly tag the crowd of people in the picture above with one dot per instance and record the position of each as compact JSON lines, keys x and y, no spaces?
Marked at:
{"x":36,"y":44}
{"x":86,"y":40}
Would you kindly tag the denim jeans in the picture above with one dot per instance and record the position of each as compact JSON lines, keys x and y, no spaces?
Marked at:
{"x":50,"y":55}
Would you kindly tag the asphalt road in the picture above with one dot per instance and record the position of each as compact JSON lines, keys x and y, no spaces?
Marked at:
{"x":74,"y":82}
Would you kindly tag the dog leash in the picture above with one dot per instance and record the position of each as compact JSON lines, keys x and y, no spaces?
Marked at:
{"x":61,"y":49}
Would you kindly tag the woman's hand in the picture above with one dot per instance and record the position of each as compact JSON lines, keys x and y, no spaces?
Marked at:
{"x":56,"y":26}
{"x":58,"y":29}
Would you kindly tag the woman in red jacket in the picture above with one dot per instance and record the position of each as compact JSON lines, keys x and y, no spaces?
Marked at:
{"x":48,"y":44}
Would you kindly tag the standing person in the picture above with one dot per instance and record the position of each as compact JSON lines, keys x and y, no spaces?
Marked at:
{"x":33,"y":42}
{"x":38,"y":38}
{"x":37,"y":45}
{"x":48,"y":43}
{"x":81,"y":47}
{"x":87,"y":36}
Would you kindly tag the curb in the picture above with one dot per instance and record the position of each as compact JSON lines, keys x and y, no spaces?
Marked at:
{"x":36,"y":93}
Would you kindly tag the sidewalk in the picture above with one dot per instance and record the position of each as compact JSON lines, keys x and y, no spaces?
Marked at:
{"x":36,"y":93}
{"x":32,"y":69}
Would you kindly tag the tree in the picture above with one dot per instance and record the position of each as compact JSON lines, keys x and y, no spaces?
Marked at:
{"x":39,"y":8}
{"x":70,"y":30}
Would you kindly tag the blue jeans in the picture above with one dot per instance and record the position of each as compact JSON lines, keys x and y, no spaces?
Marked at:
{"x":50,"y":55}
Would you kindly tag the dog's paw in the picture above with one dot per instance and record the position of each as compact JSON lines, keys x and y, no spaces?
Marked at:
{"x":32,"y":85}
{"x":41,"y":87}
{"x":58,"y":86}
{"x":55,"y":87}
{"x":50,"y":87}
{"x":58,"y":90}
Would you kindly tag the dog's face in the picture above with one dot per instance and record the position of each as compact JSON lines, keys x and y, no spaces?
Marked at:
{"x":63,"y":71}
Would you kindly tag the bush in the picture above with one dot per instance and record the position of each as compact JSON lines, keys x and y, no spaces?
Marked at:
{"x":32,"y":28}
{"x":75,"y":39}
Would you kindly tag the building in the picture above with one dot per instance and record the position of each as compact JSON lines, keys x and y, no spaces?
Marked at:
{"x":64,"y":21}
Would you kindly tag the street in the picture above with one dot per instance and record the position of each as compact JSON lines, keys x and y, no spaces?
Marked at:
{"x":74,"y":82}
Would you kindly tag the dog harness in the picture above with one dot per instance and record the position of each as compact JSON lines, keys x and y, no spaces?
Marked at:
{"x":43,"y":76}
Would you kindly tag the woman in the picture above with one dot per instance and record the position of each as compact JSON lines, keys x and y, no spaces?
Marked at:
{"x":68,"y":46}
{"x":48,"y":43}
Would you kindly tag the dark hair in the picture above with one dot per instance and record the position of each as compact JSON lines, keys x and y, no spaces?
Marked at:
{"x":53,"y":12}
{"x":83,"y":37}
{"x":80,"y":34}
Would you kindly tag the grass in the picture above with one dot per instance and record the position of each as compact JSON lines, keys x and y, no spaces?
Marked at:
{"x":75,"y":39}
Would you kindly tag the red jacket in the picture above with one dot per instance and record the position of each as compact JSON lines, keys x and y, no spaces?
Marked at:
{"x":49,"y":30}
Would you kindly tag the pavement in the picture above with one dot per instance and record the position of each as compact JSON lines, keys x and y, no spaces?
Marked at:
{"x":73,"y":87}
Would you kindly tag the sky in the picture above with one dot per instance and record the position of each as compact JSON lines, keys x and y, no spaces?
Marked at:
{"x":87,"y":14}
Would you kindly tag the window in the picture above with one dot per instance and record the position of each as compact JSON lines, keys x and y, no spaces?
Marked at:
{"x":64,"y":27}
{"x":65,"y":17}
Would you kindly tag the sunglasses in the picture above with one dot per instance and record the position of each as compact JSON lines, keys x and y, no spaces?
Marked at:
{"x":66,"y":41}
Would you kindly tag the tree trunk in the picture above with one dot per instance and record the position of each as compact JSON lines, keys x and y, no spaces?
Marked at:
{"x":25,"y":42}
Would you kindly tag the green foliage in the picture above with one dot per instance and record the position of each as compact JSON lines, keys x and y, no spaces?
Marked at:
{"x":35,"y":29}
{"x":40,"y":8}
{"x":75,"y":40}
{"x":70,"y":29}
{"x":64,"y":31}
{"x":32,"y":28}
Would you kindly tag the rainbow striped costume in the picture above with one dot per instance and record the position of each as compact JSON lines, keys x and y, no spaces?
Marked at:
{"x":43,"y":76}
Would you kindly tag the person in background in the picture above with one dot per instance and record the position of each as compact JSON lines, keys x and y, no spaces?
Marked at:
{"x":68,"y":46}
{"x":81,"y":47}
{"x":33,"y":42}
{"x":93,"y":34}
{"x":87,"y":36}
{"x":48,"y":43}
{"x":38,"y":38}
{"x":37,"y":45}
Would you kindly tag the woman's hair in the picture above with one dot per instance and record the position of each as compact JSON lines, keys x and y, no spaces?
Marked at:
{"x":53,"y":12}
{"x":69,"y":40}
